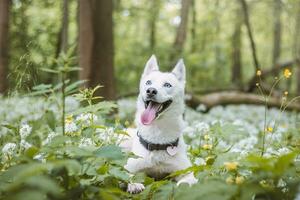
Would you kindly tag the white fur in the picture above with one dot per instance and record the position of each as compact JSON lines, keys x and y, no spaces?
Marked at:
{"x":166,"y":128}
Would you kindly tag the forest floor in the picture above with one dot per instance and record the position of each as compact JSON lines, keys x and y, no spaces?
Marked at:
{"x":238,"y":152}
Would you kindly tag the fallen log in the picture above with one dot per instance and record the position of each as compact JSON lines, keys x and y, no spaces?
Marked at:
{"x":235,"y":98}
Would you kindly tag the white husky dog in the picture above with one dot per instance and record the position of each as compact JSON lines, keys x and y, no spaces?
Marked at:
{"x":158,"y":140}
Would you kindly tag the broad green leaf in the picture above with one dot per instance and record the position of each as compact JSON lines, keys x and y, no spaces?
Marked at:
{"x":50,"y":119}
{"x":104,"y":107}
{"x":118,"y":173}
{"x":110,"y":152}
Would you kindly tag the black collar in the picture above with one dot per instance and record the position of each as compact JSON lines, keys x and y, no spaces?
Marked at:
{"x":151,"y":146}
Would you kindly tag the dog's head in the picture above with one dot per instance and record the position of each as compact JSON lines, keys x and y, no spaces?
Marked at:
{"x":161,"y":93}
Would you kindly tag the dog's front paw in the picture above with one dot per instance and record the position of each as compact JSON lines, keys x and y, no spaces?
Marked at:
{"x":135,"y":188}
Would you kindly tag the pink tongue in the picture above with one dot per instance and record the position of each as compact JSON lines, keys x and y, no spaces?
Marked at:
{"x":149,"y":114}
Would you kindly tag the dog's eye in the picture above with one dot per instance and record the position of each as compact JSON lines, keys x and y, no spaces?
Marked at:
{"x":168,"y":85}
{"x":148,"y":82}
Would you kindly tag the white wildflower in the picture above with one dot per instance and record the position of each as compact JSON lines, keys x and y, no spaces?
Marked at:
{"x":49,"y":138}
{"x":25,"y":130}
{"x":9,"y":149}
{"x":202,"y":127}
{"x":87,"y":119}
{"x":40,"y":157}
{"x":71,"y":127}
{"x":86,"y":142}
{"x":25,"y":145}
{"x":283,"y":150}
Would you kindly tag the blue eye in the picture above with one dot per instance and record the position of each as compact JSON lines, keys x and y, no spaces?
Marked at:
{"x":148,"y":82}
{"x":168,"y":85}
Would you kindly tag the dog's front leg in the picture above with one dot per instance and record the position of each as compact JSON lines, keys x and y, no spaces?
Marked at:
{"x":135,"y":165}
{"x":188,"y":178}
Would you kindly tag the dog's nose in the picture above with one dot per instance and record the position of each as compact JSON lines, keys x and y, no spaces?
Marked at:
{"x":151,"y":92}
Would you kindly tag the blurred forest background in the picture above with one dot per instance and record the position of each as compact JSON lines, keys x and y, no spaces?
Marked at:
{"x":223,"y":42}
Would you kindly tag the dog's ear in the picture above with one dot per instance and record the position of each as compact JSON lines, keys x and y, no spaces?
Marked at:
{"x":179,"y":71}
{"x":151,"y":65}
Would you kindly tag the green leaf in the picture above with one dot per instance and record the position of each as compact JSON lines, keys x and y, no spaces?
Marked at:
{"x":42,"y":87}
{"x":284,"y":162}
{"x":74,"y":151}
{"x":88,"y":132}
{"x":58,"y":140}
{"x":103,"y":169}
{"x":104,"y":107}
{"x":49,"y":70}
{"x":50,"y":119}
{"x":210,"y":190}
{"x":118,"y":173}
{"x":28,"y":194}
{"x":45,"y":184}
{"x":72,"y":87}
{"x":110,"y":152}
{"x":31,"y":152}
{"x":72,"y":166}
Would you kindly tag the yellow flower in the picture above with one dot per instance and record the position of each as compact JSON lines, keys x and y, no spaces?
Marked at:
{"x":206,"y":137}
{"x":258,"y":72}
{"x":207,"y":146}
{"x":257,"y":84}
{"x":231,"y":166}
{"x":239,"y":180}
{"x":229,"y":180}
{"x":269,"y":129}
{"x":287,"y":73}
{"x":69,"y":119}
{"x":286,"y":93}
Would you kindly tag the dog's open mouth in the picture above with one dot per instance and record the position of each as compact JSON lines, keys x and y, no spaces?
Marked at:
{"x":153,"y":110}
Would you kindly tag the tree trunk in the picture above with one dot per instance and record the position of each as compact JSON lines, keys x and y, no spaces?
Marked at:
{"x":236,"y":72}
{"x":297,"y":46}
{"x":155,"y":5}
{"x":96,"y":49}
{"x":65,"y":27}
{"x":249,"y":31}
{"x":194,"y":25}
{"x":276,"y":32}
{"x":181,"y":30}
{"x":62,"y":37}
{"x":4,"y":30}
{"x":219,"y":63}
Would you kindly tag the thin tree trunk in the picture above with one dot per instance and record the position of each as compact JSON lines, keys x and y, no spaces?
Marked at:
{"x":217,"y":49}
{"x":62,"y":37}
{"x":249,"y":31}
{"x":4,"y":30}
{"x":96,"y":48}
{"x":65,"y":27}
{"x":276,"y":32}
{"x":193,"y":28}
{"x":155,"y":5}
{"x":296,"y":46}
{"x":181,"y":30}
{"x":236,"y":73}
